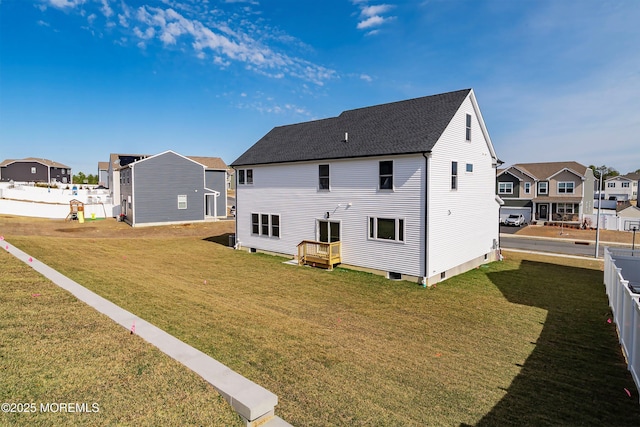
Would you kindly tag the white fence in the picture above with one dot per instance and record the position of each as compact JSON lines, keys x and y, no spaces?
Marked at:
{"x":612,"y":221}
{"x":28,"y":200}
{"x":621,"y":278}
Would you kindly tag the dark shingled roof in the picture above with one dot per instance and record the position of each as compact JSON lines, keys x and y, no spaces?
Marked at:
{"x":411,"y":126}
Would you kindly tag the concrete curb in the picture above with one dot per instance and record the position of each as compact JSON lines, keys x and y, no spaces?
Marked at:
{"x":254,"y":403}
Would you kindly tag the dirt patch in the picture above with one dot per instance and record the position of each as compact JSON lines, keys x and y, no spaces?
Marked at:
{"x":108,"y":228}
{"x":577,"y":234}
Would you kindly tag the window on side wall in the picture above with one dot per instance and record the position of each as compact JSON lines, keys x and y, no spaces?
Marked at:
{"x":323,"y":177}
{"x":386,"y":175}
{"x":468,"y":127}
{"x":266,"y":225}
{"x":182,"y":201}
{"x":454,"y":175}
{"x":33,"y":169}
{"x":469,"y":168}
{"x":527,"y":188}
{"x":386,"y":229}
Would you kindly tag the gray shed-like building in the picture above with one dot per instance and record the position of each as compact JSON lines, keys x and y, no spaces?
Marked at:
{"x":169,"y":188}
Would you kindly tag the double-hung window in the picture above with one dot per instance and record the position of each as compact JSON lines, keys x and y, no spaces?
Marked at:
{"x":565,"y":187}
{"x":454,"y":175}
{"x":527,"y":188}
{"x":386,"y":229}
{"x":267,"y":225}
{"x":323,"y":177}
{"x":543,"y":187}
{"x":386,"y":175}
{"x":245,"y":176}
{"x":182,"y":201}
{"x":611,"y":185}
{"x":505,"y":188}
{"x":468,"y":127}
{"x":625,"y":185}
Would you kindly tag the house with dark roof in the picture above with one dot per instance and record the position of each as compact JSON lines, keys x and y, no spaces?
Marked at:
{"x":406,"y":189}
{"x":169,"y":188}
{"x":33,"y":169}
{"x":622,"y":187}
{"x":547,"y":191}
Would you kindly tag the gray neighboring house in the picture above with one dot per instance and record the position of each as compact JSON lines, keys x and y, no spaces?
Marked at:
{"x":33,"y":169}
{"x":169,"y":188}
{"x":103,"y":174}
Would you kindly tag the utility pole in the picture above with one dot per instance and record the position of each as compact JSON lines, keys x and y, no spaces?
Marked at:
{"x":601,"y":170}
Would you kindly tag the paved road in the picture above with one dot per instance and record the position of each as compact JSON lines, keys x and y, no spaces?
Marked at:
{"x":568,"y":247}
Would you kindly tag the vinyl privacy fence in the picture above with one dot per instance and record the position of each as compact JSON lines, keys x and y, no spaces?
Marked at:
{"x":622,"y":282}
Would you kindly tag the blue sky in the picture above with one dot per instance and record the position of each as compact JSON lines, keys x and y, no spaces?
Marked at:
{"x":556,"y":80}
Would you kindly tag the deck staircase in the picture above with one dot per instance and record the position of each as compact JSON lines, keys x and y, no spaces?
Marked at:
{"x":319,"y":254}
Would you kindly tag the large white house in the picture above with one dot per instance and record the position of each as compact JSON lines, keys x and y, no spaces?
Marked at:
{"x":407,"y":188}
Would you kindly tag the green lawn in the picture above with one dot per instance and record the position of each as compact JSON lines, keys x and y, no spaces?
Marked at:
{"x":55,"y":349}
{"x":519,"y":342}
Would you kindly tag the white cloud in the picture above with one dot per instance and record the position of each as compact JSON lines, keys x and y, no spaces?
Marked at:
{"x":61,"y":4}
{"x":209,"y":31}
{"x":373,"y":15}
{"x":106,"y":9}
{"x":371,"y":22}
{"x":366,"y":78}
{"x":43,"y":24}
{"x":376,"y":10}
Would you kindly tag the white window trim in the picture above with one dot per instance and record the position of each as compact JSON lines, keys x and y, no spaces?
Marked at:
{"x":573,"y":187}
{"x":457,"y":175}
{"x":372,"y":234}
{"x":392,"y":176}
{"x":527,"y":188}
{"x":328,"y":177}
{"x":245,"y":176}
{"x":564,"y":208}
{"x":269,"y":224}
{"x":466,"y":168}
{"x":467,"y":127}
{"x":508,"y":187}
{"x":33,"y":169}
{"x":546,"y":187}
{"x":182,"y":201}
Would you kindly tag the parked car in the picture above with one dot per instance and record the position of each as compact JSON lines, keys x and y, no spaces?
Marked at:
{"x":515,"y":220}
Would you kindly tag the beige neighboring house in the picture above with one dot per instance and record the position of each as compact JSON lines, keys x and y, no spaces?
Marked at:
{"x":622,"y":187}
{"x":546,"y":192}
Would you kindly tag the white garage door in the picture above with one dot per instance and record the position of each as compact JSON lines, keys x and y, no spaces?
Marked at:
{"x":505,"y":211}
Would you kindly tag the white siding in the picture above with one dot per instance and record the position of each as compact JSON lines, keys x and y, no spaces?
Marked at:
{"x":463,"y":223}
{"x":290,"y":190}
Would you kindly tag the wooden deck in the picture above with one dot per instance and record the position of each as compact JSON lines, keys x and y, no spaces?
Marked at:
{"x":319,"y":254}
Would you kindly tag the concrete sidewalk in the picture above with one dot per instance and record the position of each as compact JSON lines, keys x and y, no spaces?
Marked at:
{"x":255,"y":404}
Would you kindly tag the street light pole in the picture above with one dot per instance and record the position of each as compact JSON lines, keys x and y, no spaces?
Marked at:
{"x":598,"y":217}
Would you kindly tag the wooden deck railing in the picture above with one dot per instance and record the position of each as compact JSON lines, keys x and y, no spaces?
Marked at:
{"x":319,"y":253}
